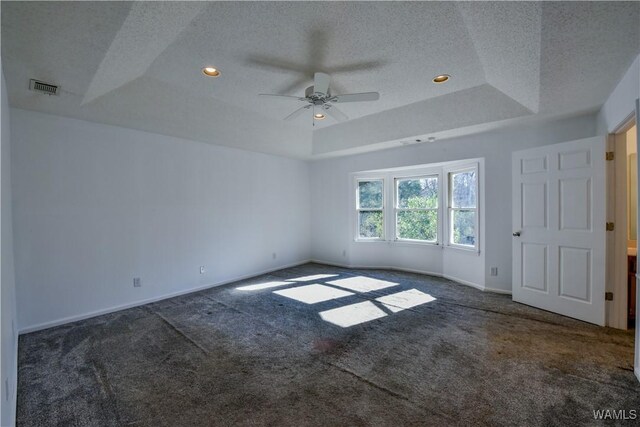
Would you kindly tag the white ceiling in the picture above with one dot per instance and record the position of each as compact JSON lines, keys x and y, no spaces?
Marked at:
{"x":138,"y":65}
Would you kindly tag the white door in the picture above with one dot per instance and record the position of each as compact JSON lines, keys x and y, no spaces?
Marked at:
{"x":559,"y":228}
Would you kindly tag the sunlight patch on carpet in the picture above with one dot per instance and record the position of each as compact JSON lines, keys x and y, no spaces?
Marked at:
{"x":353,"y":314}
{"x":362,"y":284}
{"x":311,"y":294}
{"x":405,"y":299}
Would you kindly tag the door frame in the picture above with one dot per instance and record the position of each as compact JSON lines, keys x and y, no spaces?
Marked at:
{"x":636,"y":356}
{"x":617,"y":207}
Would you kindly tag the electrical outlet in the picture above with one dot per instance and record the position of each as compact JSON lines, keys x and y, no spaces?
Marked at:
{"x":202,"y":270}
{"x":494,"y":271}
{"x":274,"y":255}
{"x":136,"y":282}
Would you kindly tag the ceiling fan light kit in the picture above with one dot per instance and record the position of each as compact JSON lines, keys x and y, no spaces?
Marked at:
{"x":319,"y":95}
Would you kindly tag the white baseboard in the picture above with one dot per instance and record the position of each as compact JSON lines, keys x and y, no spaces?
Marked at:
{"x":374,"y":267}
{"x":411,"y":270}
{"x":75,"y":318}
{"x":498,"y":291}
{"x":463,"y":282}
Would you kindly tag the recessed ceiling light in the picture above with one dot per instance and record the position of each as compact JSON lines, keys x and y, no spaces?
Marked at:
{"x":319,"y":116}
{"x":441,"y":78}
{"x":211,"y":72}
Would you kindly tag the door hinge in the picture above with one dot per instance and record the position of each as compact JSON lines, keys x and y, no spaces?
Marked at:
{"x":610,"y":226}
{"x":608,"y":296}
{"x":609,"y":155}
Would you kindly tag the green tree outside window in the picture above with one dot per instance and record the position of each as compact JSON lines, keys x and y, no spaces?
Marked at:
{"x":417,"y":209}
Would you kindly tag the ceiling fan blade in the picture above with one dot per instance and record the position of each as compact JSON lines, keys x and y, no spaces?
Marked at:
{"x":335,"y":113}
{"x":356,"y":97}
{"x":297,"y":112}
{"x":356,"y":66}
{"x":297,"y":84}
{"x":273,"y":95}
{"x":337,"y":87}
{"x":321,"y":82}
{"x":275,"y":64}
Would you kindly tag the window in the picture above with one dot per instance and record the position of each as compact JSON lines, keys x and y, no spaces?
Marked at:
{"x":432,"y":204}
{"x":463,"y":187}
{"x":416,"y":207}
{"x":370,"y":206}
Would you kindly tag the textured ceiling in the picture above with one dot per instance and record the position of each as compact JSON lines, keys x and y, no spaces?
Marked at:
{"x":138,"y":65}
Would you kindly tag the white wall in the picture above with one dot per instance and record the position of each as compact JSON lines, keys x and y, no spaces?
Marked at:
{"x":621,"y":103}
{"x":9,"y":336}
{"x":97,"y":205}
{"x":331,"y":210}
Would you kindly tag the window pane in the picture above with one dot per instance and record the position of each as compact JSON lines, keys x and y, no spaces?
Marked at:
{"x":463,"y":188}
{"x":464,"y":224}
{"x":370,"y":194}
{"x":418,"y":225}
{"x":418,"y":193}
{"x":370,"y":224}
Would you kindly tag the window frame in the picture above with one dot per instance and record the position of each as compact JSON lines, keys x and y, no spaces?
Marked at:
{"x":450,"y":171}
{"x":396,"y":209}
{"x":389,"y":221}
{"x":359,"y":238}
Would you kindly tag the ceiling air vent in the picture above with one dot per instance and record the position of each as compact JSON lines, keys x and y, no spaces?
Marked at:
{"x":42,"y":87}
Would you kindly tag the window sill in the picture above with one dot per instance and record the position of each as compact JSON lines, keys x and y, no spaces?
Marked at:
{"x":414,"y":243}
{"x":357,"y":240}
{"x":400,"y":242}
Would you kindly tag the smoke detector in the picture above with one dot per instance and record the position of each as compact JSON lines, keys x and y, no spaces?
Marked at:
{"x":42,"y":87}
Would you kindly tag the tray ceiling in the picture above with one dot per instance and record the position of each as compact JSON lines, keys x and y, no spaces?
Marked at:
{"x":138,"y":65}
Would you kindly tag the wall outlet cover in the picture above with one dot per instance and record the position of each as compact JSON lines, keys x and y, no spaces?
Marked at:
{"x":136,"y":282}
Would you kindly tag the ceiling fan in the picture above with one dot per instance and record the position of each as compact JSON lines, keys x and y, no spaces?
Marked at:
{"x":319,"y":97}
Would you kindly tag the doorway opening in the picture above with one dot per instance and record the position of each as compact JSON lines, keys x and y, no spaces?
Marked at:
{"x":623,"y":238}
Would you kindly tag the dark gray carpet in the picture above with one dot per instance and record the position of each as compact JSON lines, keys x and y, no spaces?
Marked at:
{"x":230,"y":357}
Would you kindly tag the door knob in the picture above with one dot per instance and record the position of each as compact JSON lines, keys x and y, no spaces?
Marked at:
{"x":516,"y":234}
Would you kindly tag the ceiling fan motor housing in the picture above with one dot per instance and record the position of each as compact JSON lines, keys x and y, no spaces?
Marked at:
{"x":312,"y":94}
{"x":319,"y":96}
